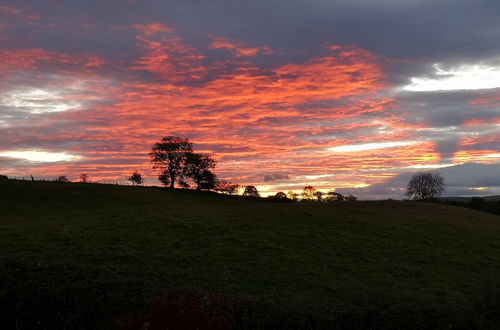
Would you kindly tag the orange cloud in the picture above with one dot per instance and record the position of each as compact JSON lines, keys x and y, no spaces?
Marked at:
{"x":255,"y":120}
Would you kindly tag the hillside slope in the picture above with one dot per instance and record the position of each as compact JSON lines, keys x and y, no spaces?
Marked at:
{"x":293,"y":254}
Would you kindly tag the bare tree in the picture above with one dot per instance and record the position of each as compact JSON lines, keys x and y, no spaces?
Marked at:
{"x":169,"y":155}
{"x":425,"y":186}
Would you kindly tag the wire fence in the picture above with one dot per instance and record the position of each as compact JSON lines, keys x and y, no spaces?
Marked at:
{"x":104,"y":181}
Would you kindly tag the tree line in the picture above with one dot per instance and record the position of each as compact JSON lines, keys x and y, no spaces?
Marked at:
{"x":177,"y":164}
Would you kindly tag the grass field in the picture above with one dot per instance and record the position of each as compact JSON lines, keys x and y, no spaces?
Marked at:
{"x":93,"y":245}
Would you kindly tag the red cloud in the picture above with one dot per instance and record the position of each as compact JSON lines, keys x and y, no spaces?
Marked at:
{"x":239,"y":49}
{"x":27,"y":14}
{"x":150,"y":29}
{"x":279,"y":118}
{"x":14,"y":60}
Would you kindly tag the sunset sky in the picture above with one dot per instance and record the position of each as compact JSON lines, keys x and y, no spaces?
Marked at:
{"x":352,"y":95}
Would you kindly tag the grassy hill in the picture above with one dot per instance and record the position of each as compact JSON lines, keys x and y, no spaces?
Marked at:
{"x":95,"y":255}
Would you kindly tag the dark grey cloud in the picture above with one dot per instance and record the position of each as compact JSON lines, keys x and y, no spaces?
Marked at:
{"x":444,"y":114}
{"x":460,"y":180}
{"x":271,"y":177}
{"x":459,"y":29}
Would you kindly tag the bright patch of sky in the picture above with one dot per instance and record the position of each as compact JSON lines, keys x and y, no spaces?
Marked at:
{"x":37,"y":100}
{"x":39,"y":156}
{"x":464,"y":77}
{"x":370,"y":146}
{"x":429,"y":166}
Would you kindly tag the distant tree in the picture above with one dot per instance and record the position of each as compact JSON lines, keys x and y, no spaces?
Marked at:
{"x":169,"y":155}
{"x":350,"y":198}
{"x":226,"y":187}
{"x":319,"y":195}
{"x":475,"y":203}
{"x":308,"y":193}
{"x":3,"y":177}
{"x":199,"y":167}
{"x":425,"y":186}
{"x":136,"y":178}
{"x":62,"y":178}
{"x":292,"y":195}
{"x":251,"y":191}
{"x":84,"y":178}
{"x":333,"y":196}
{"x":280,"y":196}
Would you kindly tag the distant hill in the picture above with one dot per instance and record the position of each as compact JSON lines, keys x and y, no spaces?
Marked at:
{"x":467,"y":199}
{"x":96,"y":256}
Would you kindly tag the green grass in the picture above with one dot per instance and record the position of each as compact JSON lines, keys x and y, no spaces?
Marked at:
{"x":307,"y":255}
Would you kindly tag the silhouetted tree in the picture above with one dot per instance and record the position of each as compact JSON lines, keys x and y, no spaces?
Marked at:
{"x":207,"y":181}
{"x":62,"y":178}
{"x":251,"y":191}
{"x":350,"y":198}
{"x":183,"y":184}
{"x":136,"y":178}
{"x":280,"y":196}
{"x":425,"y":186}
{"x":333,"y":196}
{"x":292,"y":195}
{"x":319,"y":195}
{"x":164,"y":178}
{"x":84,"y":178}
{"x":169,"y":155}
{"x":3,"y":177}
{"x":198,"y":167}
{"x":308,"y":193}
{"x":226,"y":187}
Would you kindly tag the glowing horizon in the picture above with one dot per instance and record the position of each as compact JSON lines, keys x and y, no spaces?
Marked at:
{"x":86,"y":93}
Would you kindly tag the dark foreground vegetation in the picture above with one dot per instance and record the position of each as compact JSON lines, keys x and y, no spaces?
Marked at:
{"x":489,"y":204}
{"x":83,"y":256}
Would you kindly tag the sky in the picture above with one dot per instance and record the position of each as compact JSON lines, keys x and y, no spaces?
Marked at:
{"x":351,"y":95}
